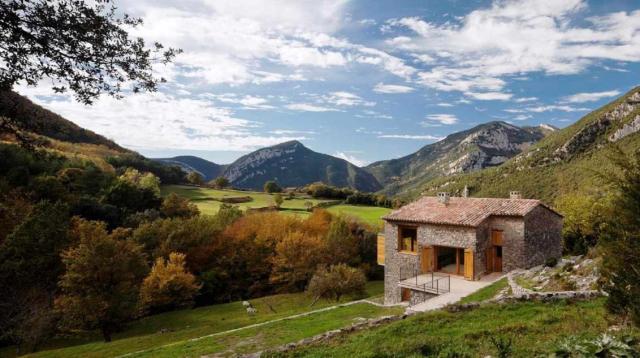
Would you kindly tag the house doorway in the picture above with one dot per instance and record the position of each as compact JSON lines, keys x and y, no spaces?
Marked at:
{"x":494,"y":252}
{"x":449,"y":260}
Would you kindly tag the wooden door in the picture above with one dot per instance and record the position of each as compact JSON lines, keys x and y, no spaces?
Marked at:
{"x":381,"y":249}
{"x":427,"y":259}
{"x":468,"y":264}
{"x":405,"y":294}
{"x":496,"y":237}
{"x":489,"y":258}
{"x":497,"y":264}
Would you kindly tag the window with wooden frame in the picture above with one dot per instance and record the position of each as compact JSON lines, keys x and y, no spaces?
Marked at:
{"x":408,"y":239}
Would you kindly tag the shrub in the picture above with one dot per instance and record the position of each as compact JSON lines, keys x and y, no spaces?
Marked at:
{"x":195,"y":178}
{"x":603,"y":346}
{"x":168,"y":286}
{"x":551,"y":262}
{"x":174,"y":206}
{"x":272,"y":187}
{"x":219,"y":182}
{"x":504,"y":346}
{"x":337,"y":281}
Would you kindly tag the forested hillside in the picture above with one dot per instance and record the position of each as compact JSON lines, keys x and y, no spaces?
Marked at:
{"x":567,"y":161}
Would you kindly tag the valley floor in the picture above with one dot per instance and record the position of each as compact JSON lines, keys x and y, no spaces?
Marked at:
{"x":209,"y":201}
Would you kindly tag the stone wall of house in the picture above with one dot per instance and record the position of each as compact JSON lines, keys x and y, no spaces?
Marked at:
{"x":446,"y":235}
{"x":419,"y":297}
{"x":543,"y":237}
{"x":395,"y":262}
{"x":514,"y":251}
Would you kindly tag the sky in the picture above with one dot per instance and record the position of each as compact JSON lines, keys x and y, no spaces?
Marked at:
{"x":362,"y":80}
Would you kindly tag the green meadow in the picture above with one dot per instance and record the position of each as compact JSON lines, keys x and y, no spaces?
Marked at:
{"x":209,"y":201}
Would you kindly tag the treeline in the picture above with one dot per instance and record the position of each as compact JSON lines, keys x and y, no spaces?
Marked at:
{"x":350,"y":196}
{"x":83,"y":249}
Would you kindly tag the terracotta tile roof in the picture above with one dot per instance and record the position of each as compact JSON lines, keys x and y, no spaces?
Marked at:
{"x":462,"y":211}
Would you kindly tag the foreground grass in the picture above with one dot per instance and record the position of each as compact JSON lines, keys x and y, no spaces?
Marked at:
{"x":535,"y":329}
{"x":187,"y":324}
{"x":368,"y":214}
{"x":273,"y":334}
{"x":486,"y":293}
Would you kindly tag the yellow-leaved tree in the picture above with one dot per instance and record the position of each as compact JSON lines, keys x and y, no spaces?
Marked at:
{"x":169,"y":285}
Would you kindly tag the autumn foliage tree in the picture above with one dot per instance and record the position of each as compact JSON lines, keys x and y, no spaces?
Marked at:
{"x":337,"y":281}
{"x":169,"y":285}
{"x":296,"y":258}
{"x":102,"y":280}
{"x":175,"y":206}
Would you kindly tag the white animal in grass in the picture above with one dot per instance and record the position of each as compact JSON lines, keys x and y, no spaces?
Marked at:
{"x":252,"y":311}
{"x":246,"y":304}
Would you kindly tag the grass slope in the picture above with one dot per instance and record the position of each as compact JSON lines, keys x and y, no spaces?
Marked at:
{"x":368,"y":214}
{"x":183,"y":325}
{"x":486,"y":293}
{"x":535,"y":328}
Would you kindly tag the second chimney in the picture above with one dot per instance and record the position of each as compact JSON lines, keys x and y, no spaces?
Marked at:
{"x":443,"y":198}
{"x":515,"y":195}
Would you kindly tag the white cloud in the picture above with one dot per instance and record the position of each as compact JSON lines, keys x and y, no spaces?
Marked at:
{"x":444,"y":104}
{"x":392,"y":89}
{"x":249,"y":102}
{"x":590,"y":96}
{"x":554,"y":107}
{"x":522,"y":117}
{"x":161,"y":121}
{"x":346,"y":99}
{"x":308,"y":107}
{"x":411,"y":136}
{"x":489,"y":96}
{"x":443,"y":118}
{"x":478,"y":51}
{"x":525,"y":99}
{"x":351,"y":159}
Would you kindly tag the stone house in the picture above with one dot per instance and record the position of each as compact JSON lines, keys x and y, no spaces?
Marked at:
{"x":428,"y":240}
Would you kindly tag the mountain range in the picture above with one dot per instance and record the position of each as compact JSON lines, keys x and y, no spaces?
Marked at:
{"x":293,"y":164}
{"x":489,"y":159}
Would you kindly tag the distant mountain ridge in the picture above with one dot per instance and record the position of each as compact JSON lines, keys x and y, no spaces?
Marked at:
{"x":189,"y":163}
{"x":566,"y":161}
{"x":486,"y":145}
{"x":292,"y":164}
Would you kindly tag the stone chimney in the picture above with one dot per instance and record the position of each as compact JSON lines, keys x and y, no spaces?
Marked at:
{"x":515,"y":195}
{"x":443,"y":198}
{"x":465,"y":192}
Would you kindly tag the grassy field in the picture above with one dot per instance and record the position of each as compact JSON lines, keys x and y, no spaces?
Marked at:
{"x":535,"y":330}
{"x":486,"y":293}
{"x":368,"y":214}
{"x":206,"y":200}
{"x":177,"y":326}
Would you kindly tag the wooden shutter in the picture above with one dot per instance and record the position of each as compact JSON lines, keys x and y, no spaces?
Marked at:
{"x":380,"y":249}
{"x":427,"y":259}
{"x":468,"y":264}
{"x":496,"y":238}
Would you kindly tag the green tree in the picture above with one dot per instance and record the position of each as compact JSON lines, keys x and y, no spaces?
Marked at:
{"x":271,"y":187}
{"x":620,"y":239}
{"x":584,"y":215}
{"x":336,"y":282}
{"x":102,"y":280}
{"x":195,"y":178}
{"x":30,"y":266}
{"x":219,"y":182}
{"x":145,"y":181}
{"x":278,"y":200}
{"x":80,"y":45}
{"x":129,"y":198}
{"x":175,"y":206}
{"x":169,"y":285}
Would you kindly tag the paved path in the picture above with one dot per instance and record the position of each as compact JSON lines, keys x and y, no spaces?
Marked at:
{"x":459,"y":289}
{"x":262,"y":324}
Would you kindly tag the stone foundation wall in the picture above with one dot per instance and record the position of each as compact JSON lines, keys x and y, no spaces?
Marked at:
{"x":419,"y":297}
{"x":543,"y":237}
